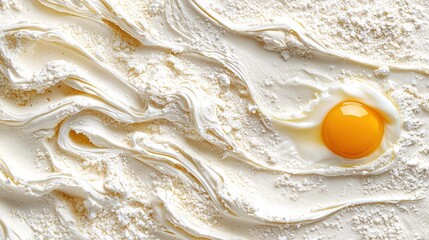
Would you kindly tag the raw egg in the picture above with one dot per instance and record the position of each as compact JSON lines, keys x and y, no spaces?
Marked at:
{"x":347,"y":125}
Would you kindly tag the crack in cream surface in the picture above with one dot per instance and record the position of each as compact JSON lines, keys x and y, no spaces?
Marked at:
{"x":163,"y":120}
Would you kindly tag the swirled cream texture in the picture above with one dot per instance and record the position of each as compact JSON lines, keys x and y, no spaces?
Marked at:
{"x":192,"y":119}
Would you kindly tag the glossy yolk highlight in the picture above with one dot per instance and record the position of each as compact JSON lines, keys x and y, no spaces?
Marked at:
{"x":352,"y":130}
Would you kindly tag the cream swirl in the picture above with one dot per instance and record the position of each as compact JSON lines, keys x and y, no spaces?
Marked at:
{"x":179,"y":123}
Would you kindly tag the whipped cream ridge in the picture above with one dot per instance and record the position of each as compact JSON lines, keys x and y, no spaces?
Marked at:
{"x":173,"y":120}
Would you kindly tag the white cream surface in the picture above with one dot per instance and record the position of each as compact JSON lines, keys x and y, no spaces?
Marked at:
{"x":194,"y":119}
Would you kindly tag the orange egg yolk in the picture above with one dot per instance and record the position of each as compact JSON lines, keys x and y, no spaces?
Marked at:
{"x":352,"y":130}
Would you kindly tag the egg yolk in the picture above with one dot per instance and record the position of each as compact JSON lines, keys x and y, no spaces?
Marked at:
{"x":352,"y":130}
